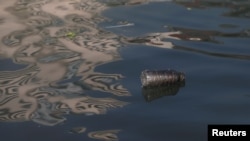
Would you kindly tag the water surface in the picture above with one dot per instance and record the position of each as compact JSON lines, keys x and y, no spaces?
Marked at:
{"x":70,"y":74}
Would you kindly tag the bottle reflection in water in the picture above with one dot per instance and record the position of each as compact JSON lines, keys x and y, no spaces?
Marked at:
{"x":152,"y":93}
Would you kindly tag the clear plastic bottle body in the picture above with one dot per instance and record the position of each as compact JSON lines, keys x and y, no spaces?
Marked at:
{"x":154,"y":78}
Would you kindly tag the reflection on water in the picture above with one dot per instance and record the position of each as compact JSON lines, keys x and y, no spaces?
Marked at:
{"x":153,"y":93}
{"x":40,"y":92}
{"x":106,"y":135}
{"x":238,"y":8}
{"x":205,"y":36}
{"x":172,"y":33}
{"x":162,"y":40}
{"x":78,"y":130}
{"x":59,"y":45}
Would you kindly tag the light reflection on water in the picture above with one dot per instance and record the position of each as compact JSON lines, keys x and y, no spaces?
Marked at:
{"x":57,"y":46}
{"x":60,"y":45}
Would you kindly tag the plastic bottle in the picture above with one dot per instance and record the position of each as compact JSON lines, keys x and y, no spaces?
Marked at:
{"x":154,"y":78}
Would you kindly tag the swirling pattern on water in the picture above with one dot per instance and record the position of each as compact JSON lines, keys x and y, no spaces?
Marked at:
{"x":60,"y":44}
{"x":39,"y":37}
{"x":59,"y":41}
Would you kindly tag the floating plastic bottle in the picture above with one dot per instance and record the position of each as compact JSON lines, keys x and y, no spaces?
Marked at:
{"x":154,"y":78}
{"x":160,"y":83}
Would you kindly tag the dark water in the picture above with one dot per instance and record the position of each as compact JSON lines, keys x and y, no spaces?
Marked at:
{"x":94,"y":100}
{"x":217,"y":69}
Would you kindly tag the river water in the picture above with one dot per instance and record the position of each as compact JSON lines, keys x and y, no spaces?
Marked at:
{"x":70,"y":70}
